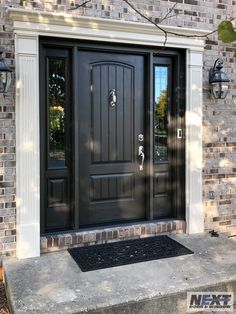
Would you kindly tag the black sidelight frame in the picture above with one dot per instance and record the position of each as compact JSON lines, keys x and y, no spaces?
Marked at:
{"x":151,"y":55}
{"x":60,"y":174}
{"x":176,"y":153}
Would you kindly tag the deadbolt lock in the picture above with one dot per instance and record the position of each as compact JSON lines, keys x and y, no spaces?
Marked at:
{"x":140,"y":137}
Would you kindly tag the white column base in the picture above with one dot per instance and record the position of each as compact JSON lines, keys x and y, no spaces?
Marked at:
{"x":28,"y":241}
{"x":195,"y":219}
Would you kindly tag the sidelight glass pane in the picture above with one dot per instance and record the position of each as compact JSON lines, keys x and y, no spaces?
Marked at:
{"x":56,"y":112}
{"x":160,"y":113}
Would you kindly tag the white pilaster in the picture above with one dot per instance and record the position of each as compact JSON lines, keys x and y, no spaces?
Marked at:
{"x":194,"y":206}
{"x":27,"y":146}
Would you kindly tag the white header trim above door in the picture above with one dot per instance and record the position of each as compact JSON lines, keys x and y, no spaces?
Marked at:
{"x":101,"y":29}
{"x":28,"y":26}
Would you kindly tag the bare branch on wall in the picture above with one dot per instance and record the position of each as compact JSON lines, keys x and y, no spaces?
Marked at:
{"x":166,"y":32}
{"x":77,"y":6}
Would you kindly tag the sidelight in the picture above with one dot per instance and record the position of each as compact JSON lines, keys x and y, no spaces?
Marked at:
{"x":55,"y":139}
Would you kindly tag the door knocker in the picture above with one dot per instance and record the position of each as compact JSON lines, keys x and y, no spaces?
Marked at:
{"x":112,"y":97}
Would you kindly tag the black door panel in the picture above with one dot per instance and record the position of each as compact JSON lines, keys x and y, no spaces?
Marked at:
{"x":111,"y":185}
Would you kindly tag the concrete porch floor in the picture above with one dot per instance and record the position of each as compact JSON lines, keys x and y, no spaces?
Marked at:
{"x":54,"y":283}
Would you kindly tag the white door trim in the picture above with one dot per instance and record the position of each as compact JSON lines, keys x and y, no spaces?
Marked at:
{"x":28,"y":26}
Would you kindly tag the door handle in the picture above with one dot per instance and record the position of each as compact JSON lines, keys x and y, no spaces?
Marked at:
{"x":141,"y":155}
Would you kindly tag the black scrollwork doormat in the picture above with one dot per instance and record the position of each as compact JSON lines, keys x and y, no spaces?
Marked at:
{"x":126,"y":252}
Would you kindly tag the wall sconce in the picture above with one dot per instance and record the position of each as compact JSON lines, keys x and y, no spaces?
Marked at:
{"x":5,"y":75}
{"x":218,"y":80}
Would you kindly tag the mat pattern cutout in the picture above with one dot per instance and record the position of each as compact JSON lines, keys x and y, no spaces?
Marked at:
{"x":126,"y":252}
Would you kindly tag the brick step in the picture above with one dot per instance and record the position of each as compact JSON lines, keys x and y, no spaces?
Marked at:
{"x":61,"y":241}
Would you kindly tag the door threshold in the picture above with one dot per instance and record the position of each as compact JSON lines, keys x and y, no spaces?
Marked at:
{"x":64,"y":240}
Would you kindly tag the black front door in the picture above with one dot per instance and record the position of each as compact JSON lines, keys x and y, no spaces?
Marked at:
{"x":111,"y":121}
{"x":112,"y":135}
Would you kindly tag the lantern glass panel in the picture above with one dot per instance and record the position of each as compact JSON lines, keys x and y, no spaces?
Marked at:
{"x":220,"y":90}
{"x":8,"y":82}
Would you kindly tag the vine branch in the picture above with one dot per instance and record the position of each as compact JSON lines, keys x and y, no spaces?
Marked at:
{"x":77,"y":6}
{"x":157,"y":25}
{"x":166,"y":32}
{"x":168,"y":13}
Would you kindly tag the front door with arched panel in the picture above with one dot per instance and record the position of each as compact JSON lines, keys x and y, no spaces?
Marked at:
{"x":112,"y":135}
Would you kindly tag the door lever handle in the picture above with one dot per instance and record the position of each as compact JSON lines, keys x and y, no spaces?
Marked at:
{"x":141,"y":155}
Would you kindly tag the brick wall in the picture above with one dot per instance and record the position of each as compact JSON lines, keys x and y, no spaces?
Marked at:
{"x":219,"y":117}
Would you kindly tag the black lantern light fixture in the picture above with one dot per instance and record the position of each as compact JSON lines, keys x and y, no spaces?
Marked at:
{"x":5,"y":74}
{"x":218,"y":80}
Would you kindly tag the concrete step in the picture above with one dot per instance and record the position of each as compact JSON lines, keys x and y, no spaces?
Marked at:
{"x":53,"y":283}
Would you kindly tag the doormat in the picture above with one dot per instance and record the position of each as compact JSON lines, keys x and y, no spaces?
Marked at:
{"x":126,"y":252}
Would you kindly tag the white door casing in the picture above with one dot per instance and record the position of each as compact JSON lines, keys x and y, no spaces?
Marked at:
{"x":28,"y":26}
